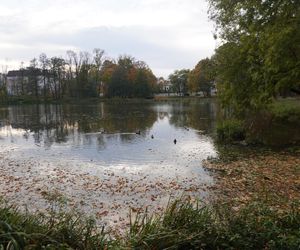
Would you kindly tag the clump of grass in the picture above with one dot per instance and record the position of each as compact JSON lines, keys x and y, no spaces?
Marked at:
{"x":185,"y":225}
{"x":230,"y":130}
{"x":59,"y":230}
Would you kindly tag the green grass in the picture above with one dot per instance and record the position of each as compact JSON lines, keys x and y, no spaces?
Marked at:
{"x":57,"y":230}
{"x":230,"y":130}
{"x":287,"y":110}
{"x":188,"y":226}
{"x":183,"y":225}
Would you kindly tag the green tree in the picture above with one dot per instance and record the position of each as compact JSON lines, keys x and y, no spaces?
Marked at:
{"x":260,"y":50}
{"x":96,"y":68}
{"x":44,"y":66}
{"x":33,"y":78}
{"x":118,"y":84}
{"x":179,"y":81}
{"x":57,"y":76}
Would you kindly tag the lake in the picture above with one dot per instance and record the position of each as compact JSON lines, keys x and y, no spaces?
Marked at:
{"x":118,"y":145}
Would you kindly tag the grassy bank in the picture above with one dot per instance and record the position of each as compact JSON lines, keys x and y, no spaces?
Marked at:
{"x":184,"y":225}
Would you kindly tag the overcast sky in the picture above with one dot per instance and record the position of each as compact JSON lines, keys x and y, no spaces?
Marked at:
{"x":166,"y":34}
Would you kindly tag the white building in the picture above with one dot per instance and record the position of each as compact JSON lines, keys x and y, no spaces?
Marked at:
{"x":17,"y":82}
{"x":164,"y":85}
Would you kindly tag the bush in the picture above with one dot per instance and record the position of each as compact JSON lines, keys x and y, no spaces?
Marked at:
{"x":230,"y":131}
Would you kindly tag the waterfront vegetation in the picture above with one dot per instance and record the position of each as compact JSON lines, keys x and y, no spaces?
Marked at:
{"x":256,"y":65}
{"x":183,"y":225}
{"x":275,"y":125}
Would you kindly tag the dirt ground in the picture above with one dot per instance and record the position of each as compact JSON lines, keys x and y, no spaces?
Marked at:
{"x":270,"y":176}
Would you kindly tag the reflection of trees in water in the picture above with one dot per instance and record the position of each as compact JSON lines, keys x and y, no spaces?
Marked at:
{"x":115,"y":118}
{"x":46,"y":122}
{"x":4,"y":116}
{"x":72,"y":123}
{"x":198,"y":115}
{"x":62,"y":123}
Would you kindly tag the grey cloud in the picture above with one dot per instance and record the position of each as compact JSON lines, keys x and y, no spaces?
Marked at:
{"x":133,"y":40}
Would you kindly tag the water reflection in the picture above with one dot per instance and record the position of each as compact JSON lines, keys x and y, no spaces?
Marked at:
{"x":58,"y":123}
{"x":106,"y":132}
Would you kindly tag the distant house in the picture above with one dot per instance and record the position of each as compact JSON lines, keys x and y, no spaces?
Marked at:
{"x":213,"y":89}
{"x":14,"y":80}
{"x":164,"y":85}
{"x":18,"y":81}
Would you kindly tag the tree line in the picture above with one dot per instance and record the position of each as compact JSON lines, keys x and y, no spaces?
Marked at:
{"x":200,"y":79}
{"x":84,"y":74}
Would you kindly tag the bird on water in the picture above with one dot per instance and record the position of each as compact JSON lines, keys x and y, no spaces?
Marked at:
{"x":175,"y":141}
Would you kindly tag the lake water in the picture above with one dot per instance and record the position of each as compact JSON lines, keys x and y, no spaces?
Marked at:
{"x":132,"y":134}
{"x":128,"y":139}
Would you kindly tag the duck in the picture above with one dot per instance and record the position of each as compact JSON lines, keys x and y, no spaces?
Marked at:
{"x":175,"y":141}
{"x":138,"y":132}
{"x":152,"y":137}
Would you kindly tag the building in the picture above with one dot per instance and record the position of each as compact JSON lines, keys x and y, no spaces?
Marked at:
{"x":23,"y":81}
{"x":164,"y":85}
{"x":213,"y":89}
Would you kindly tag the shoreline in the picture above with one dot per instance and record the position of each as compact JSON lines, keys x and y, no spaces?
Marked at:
{"x":105,"y":193}
{"x":26,"y":101}
{"x":231,"y":221}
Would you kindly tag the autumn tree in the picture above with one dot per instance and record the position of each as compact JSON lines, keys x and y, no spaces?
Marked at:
{"x":130,"y":78}
{"x":107,"y":69}
{"x":202,"y":77}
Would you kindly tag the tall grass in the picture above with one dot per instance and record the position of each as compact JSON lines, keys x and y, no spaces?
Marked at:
{"x":183,"y":225}
{"x":57,"y":230}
